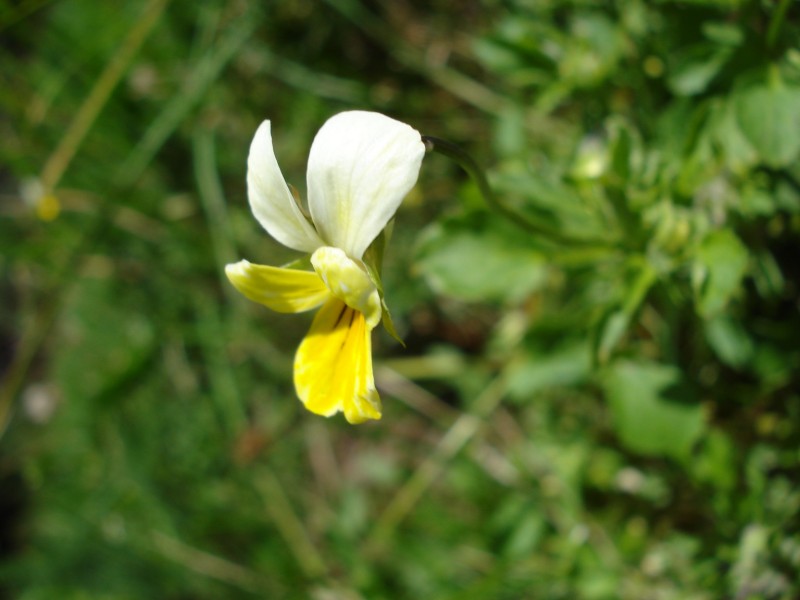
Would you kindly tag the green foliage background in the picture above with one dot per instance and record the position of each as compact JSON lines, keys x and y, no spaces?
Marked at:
{"x":599,"y":397}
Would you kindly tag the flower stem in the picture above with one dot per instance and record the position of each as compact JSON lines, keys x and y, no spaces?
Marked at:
{"x":776,"y":22}
{"x":466,"y":162}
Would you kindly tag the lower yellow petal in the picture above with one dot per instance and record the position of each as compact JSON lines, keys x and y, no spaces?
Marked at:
{"x":282,"y":290}
{"x":333,"y":365}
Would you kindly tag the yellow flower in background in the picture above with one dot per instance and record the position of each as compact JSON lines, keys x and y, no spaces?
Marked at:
{"x":360,"y":167}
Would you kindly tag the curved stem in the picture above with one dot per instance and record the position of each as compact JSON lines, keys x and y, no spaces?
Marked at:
{"x":466,"y":162}
{"x":776,"y":22}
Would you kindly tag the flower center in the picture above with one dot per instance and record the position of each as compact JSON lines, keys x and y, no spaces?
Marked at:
{"x":348,"y":280}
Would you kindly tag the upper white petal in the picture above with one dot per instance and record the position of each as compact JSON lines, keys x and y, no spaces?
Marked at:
{"x":360,"y":167}
{"x":270,"y":199}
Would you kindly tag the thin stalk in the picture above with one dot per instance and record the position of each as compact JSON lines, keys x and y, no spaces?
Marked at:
{"x":208,"y":564}
{"x":212,"y":199}
{"x":466,"y":162}
{"x":446,"y":77}
{"x":297,"y":539}
{"x":58,"y":162}
{"x":776,"y":22}
{"x":203,"y":75}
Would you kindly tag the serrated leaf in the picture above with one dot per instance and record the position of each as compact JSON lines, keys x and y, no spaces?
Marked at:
{"x":653,"y":412}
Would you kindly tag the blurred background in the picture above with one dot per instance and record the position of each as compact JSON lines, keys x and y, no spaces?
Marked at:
{"x":598,"y":397}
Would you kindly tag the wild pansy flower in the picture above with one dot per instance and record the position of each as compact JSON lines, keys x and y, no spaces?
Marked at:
{"x":361,"y":166}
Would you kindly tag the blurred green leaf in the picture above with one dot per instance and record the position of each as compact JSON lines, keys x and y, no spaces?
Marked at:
{"x":591,"y":52}
{"x":725,"y":130}
{"x":719,"y":267}
{"x":694,"y":70}
{"x":554,"y":204}
{"x":653,"y":411}
{"x":480,"y":257}
{"x":618,"y":319}
{"x":787,"y":196}
{"x":767,"y":276}
{"x":625,"y":143}
{"x":720,"y":32}
{"x":715,"y":464}
{"x":769,"y":115}
{"x":729,"y":340}
{"x":611,"y":330}
{"x":536,"y":371}
{"x":756,"y":202}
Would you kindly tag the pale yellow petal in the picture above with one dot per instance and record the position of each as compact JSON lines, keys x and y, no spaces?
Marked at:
{"x":333,"y":365}
{"x":282,"y":290}
{"x":349,"y":281}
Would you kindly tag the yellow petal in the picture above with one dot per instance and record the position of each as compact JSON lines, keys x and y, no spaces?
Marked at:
{"x":333,"y":365}
{"x":282,"y":290}
{"x":349,"y":281}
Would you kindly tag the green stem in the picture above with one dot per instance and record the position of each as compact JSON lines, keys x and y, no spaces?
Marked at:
{"x":283,"y":515}
{"x":58,"y":162}
{"x":776,"y":22}
{"x":466,"y":162}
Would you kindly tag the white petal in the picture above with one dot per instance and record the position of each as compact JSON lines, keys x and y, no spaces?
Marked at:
{"x":270,"y":199}
{"x":360,"y":167}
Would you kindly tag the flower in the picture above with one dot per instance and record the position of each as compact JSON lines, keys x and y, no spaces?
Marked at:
{"x":361,"y":166}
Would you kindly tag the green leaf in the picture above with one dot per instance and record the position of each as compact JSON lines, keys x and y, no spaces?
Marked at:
{"x":756,"y":202}
{"x":695,"y":69}
{"x":593,"y":51}
{"x":720,"y":265}
{"x":767,"y":275}
{"x":729,"y":340}
{"x":769,"y":116}
{"x":566,"y":365}
{"x":388,"y":323}
{"x":480,"y":257}
{"x":617,"y":320}
{"x":725,"y":131}
{"x":611,"y":330}
{"x":652,"y":411}
{"x":624,"y":143}
{"x":715,"y":463}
